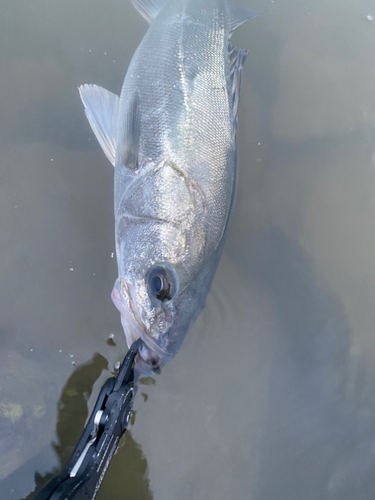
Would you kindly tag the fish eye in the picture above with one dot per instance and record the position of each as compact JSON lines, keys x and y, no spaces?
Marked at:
{"x":162,"y":283}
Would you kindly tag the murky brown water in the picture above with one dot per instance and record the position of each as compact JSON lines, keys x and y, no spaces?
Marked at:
{"x":273,"y":393}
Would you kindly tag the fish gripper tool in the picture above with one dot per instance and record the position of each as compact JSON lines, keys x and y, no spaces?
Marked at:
{"x":82,"y":476}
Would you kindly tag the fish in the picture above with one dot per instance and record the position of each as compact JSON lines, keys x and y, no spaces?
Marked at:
{"x":171,"y":136}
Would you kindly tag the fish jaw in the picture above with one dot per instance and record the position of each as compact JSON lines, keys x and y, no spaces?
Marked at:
{"x":150,"y":357}
{"x":147,"y":361}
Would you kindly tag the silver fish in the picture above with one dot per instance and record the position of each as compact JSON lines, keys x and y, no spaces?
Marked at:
{"x":172,"y":138}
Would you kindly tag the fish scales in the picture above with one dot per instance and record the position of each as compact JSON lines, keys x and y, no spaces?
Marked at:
{"x":172,"y":137}
{"x":188,"y":104}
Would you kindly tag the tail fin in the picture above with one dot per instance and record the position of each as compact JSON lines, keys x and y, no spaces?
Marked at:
{"x":239,"y":15}
{"x":148,"y":9}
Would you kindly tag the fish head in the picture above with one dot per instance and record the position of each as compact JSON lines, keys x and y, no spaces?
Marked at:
{"x":160,"y":295}
{"x":144,"y":300}
{"x":166,"y":262}
{"x":159,"y":306}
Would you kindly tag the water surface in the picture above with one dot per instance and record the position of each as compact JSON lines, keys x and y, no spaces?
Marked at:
{"x":272,"y":395}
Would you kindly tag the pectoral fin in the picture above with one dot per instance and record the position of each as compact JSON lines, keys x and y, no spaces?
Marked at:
{"x":101,"y":108}
{"x":129,"y":147}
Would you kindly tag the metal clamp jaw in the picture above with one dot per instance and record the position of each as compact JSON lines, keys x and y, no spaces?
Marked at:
{"x":82,"y":476}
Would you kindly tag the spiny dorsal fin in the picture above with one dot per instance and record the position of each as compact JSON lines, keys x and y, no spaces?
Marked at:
{"x":238,"y":16}
{"x":237,"y":59}
{"x":129,"y":147}
{"x":148,"y":9}
{"x":101,"y":108}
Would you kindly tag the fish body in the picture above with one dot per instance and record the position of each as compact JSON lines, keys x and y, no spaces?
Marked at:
{"x":172,"y":137}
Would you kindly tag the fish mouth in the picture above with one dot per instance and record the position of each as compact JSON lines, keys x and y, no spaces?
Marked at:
{"x":151,"y":357}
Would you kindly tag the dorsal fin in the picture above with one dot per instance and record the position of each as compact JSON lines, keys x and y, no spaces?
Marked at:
{"x":238,"y":16}
{"x":131,"y":134}
{"x":148,"y":9}
{"x":237,"y":59}
{"x":101,"y":108}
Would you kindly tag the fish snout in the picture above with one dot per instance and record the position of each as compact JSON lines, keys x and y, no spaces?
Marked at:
{"x":148,"y":362}
{"x":151,"y":356}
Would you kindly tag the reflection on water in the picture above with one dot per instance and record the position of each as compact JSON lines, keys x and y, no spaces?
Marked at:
{"x":272,"y":394}
{"x":129,"y":463}
{"x":72,"y":407}
{"x":127,"y":477}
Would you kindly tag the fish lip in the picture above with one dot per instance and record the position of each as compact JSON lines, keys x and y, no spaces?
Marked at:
{"x":150,"y":357}
{"x":153,"y":346}
{"x":146,"y":339}
{"x":133,"y":328}
{"x":148,"y":369}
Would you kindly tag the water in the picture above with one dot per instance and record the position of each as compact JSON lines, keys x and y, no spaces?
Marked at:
{"x":273,"y":393}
